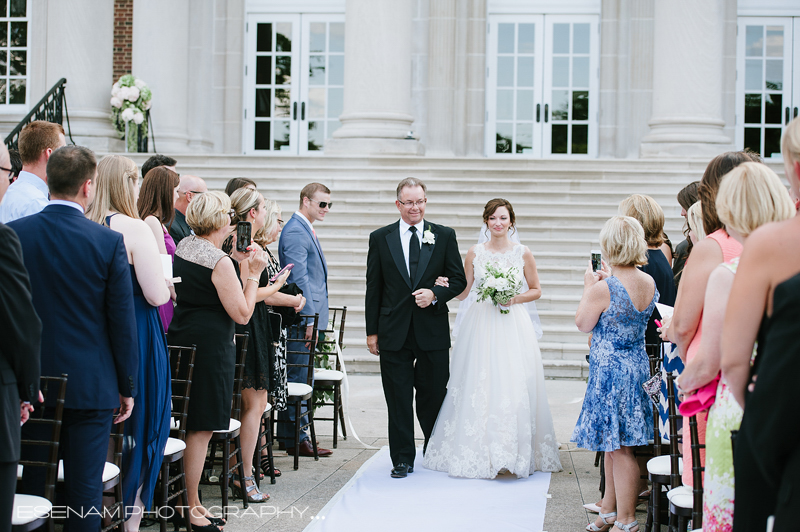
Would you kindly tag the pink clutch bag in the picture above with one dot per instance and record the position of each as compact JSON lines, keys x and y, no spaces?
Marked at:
{"x":701,"y":400}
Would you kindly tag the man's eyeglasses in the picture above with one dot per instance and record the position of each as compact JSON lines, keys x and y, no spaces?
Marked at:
{"x":10,"y":174}
{"x":322,"y":204}
{"x":409,"y":204}
{"x":192,"y":192}
{"x":281,"y":222}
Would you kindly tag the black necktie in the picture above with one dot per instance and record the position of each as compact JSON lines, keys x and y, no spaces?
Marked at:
{"x":413,"y":252}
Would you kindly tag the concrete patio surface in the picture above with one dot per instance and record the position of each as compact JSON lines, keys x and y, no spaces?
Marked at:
{"x":298,"y":496}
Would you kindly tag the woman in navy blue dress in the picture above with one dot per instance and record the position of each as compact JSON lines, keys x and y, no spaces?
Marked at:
{"x":616,"y":414}
{"x":147,"y":430}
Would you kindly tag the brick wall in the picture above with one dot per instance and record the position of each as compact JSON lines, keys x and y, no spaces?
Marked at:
{"x":123,"y":37}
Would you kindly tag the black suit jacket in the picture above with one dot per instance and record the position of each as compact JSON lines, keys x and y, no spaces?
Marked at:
{"x":389,"y":303}
{"x":83,"y":293}
{"x":179,"y":228}
{"x":771,"y":408}
{"x":21,"y":332}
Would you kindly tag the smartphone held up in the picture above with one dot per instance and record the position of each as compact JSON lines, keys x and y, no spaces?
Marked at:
{"x":597,"y":260}
{"x":243,"y":236}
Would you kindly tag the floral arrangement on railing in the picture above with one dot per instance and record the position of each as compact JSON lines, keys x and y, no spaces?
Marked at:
{"x":130,"y":100}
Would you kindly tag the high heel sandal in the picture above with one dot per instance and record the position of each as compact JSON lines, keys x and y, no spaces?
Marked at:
{"x":591,"y":527}
{"x":178,"y":522}
{"x":628,"y":527}
{"x":238,"y":492}
{"x":265,"y":467}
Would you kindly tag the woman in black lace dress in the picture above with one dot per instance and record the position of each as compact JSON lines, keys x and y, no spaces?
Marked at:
{"x":265,"y":363}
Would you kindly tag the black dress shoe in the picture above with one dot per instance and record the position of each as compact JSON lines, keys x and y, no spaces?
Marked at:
{"x":402,"y":470}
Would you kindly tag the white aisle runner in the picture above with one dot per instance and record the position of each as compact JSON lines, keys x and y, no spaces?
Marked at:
{"x":372,"y":501}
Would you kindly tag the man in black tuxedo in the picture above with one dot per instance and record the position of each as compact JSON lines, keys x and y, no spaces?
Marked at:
{"x":21,"y":332}
{"x":407,"y":321}
{"x":82,"y":292}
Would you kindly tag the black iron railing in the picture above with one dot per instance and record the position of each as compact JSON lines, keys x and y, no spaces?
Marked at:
{"x":51,"y":108}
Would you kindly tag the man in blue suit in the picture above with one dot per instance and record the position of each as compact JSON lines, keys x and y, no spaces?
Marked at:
{"x":299,"y":245}
{"x":82,"y":291}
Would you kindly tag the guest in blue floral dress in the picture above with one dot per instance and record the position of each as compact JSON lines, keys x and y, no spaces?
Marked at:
{"x":617,"y":415}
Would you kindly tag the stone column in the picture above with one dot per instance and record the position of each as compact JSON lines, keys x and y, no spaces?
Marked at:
{"x":80,"y":47}
{"x":377,"y":80}
{"x":161,"y":59}
{"x":441,"y":77}
{"x":687,"y":80}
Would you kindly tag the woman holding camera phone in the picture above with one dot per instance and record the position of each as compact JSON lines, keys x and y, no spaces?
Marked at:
{"x":262,"y":371}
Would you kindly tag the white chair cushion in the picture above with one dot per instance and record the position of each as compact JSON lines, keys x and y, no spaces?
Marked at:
{"x":681,"y":497}
{"x":297,"y":389}
{"x":233,"y":425}
{"x":660,"y":465}
{"x":29,"y":508}
{"x":268,"y":408}
{"x":109,"y":471}
{"x":20,"y":467}
{"x":664,"y":441}
{"x":326,"y":375}
{"x":173,"y":424}
{"x":174,"y":445}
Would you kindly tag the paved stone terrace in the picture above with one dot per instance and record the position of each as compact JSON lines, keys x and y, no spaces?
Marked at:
{"x":299,"y":495}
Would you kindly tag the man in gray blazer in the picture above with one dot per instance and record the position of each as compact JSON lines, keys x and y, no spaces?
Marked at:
{"x":299,"y":245}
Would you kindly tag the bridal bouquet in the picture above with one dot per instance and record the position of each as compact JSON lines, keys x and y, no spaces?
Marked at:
{"x":130,"y":100}
{"x":499,"y":286}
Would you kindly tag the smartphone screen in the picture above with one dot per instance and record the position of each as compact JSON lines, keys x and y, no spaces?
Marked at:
{"x":597,"y":263}
{"x":243,"y":230}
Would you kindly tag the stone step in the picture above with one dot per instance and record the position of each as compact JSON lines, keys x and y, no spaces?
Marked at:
{"x":546,"y":272}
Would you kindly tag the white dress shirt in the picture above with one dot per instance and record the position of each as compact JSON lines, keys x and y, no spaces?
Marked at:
{"x":27,"y":195}
{"x":405,"y":238}
{"x":307,"y":221}
{"x":68,"y":204}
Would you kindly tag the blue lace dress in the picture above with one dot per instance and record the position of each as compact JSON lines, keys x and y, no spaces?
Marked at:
{"x":616,"y":410}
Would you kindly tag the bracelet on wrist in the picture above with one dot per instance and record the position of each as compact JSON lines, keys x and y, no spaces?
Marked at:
{"x":254,"y":279}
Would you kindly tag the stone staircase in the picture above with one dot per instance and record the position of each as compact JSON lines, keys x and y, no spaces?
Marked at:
{"x":560,"y":206}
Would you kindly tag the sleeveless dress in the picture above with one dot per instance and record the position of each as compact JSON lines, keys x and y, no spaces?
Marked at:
{"x":731,"y":249}
{"x":166,"y":310}
{"x":495,"y":415}
{"x":616,"y":410}
{"x":201,"y":320}
{"x":147,"y":429}
{"x":724,"y":416}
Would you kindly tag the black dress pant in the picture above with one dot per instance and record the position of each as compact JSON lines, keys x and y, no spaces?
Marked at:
{"x":8,"y":484}
{"x":402,"y":372}
{"x":83,"y":447}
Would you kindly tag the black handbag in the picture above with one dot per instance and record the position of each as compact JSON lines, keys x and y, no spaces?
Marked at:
{"x":288,"y":314}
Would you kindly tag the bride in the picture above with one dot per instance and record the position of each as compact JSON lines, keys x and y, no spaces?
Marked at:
{"x":495,"y":416}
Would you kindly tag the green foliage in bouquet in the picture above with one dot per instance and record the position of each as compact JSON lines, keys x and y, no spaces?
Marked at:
{"x":130,"y":100}
{"x":499,"y":286}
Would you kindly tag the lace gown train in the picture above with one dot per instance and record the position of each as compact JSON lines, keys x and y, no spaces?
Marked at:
{"x":495,"y":415}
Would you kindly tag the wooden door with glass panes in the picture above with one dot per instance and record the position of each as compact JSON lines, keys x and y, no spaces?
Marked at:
{"x":294,"y":82}
{"x":767,"y":86}
{"x":541,"y":87}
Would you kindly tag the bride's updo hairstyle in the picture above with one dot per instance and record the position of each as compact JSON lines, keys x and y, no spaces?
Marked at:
{"x":622,"y":242}
{"x":495,"y":204}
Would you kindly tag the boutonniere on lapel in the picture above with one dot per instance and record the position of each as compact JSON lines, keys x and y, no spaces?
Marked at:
{"x":428,"y":237}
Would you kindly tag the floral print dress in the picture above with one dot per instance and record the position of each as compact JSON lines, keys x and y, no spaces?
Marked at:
{"x":724,"y":416}
{"x":616,"y":410}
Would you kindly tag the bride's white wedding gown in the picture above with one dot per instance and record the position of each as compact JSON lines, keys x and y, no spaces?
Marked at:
{"x":495,"y":415}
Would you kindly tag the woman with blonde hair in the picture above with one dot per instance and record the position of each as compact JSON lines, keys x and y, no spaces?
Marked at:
{"x":694,"y":218}
{"x":617,"y":415}
{"x":749,"y":196}
{"x":147,"y":430}
{"x":259,"y":368}
{"x":763,"y":306}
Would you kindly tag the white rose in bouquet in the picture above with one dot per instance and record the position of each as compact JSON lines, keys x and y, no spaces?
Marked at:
{"x":138,"y":117}
{"x":127,"y":114}
{"x":116,"y":102}
{"x":490,"y":282}
{"x":139,"y":83}
{"x":501,"y":285}
{"x":133,"y":94}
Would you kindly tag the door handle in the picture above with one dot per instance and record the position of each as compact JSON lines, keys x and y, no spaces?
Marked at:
{"x":294,"y":112}
{"x":538,"y":110}
{"x":795,"y":112}
{"x":546,"y":107}
{"x":303,"y":111}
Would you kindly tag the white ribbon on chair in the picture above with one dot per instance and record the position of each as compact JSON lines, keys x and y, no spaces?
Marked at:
{"x":346,"y":392}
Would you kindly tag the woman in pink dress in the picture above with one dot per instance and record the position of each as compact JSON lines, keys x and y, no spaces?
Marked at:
{"x":685,"y":330}
{"x":156,"y":205}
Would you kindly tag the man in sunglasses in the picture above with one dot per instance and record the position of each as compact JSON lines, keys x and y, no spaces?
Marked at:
{"x":298,"y":245}
{"x":29,"y":194}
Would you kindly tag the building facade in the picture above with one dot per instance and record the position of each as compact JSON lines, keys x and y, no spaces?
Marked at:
{"x":555,"y":79}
